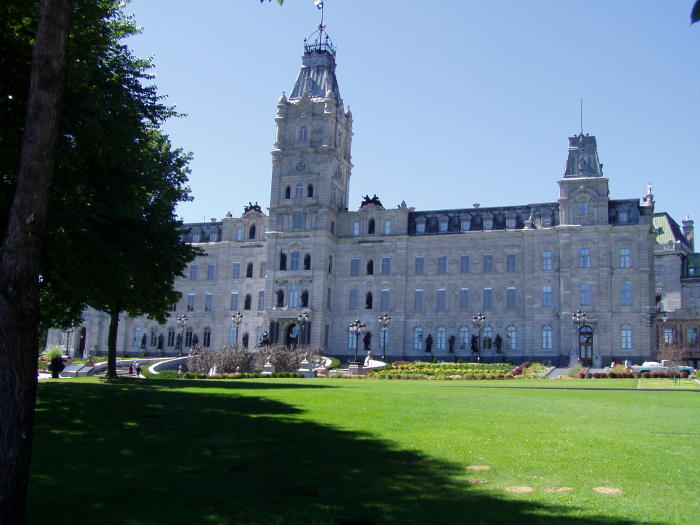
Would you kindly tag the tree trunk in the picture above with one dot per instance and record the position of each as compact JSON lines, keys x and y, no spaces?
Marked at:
{"x":19,"y":264}
{"x":112,"y":344}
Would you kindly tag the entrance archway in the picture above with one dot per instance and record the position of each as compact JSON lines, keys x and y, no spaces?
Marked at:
{"x":291,"y":334}
{"x":585,"y":345}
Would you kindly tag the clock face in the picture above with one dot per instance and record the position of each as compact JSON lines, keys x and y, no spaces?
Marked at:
{"x":301,"y":167}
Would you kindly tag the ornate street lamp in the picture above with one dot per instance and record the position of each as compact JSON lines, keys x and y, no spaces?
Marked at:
{"x":579,"y":319}
{"x":478,"y":321}
{"x":357,"y":327}
{"x":237,"y":319}
{"x":182,"y":323}
{"x":304,"y":319}
{"x":384,"y":321}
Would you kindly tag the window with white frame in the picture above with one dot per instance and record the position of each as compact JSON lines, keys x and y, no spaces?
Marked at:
{"x":418,"y":300}
{"x":626,"y":337}
{"x":418,"y":338}
{"x":294,"y":261}
{"x":625,"y":294}
{"x":293,"y":295}
{"x":352,"y":299}
{"x":625,"y":258}
{"x":442,"y":299}
{"x":586,"y":295}
{"x":236,"y":274}
{"x":303,"y":134}
{"x":211,"y":272}
{"x":441,"y":338}
{"x":511,"y":337}
{"x":384,"y":297}
{"x":464,"y":299}
{"x":464,"y":264}
{"x":298,"y":191}
{"x":547,"y":296}
{"x":234,"y":301}
{"x":190,"y":302}
{"x":487,"y":302}
{"x":488,"y":263}
{"x":232,"y":335}
{"x":386,"y":265}
{"x":387,"y":227}
{"x":692,"y":335}
{"x":355,"y":266}
{"x":669,"y":335}
{"x":464,"y":337}
{"x":261,"y":300}
{"x":193,"y":272}
{"x":546,"y":260}
{"x":420,"y":265}
{"x":352,"y":340}
{"x":546,"y":337}
{"x":239,"y":234}
{"x":511,"y":262}
{"x":511,"y":298}
{"x":584,"y":258}
{"x":356,"y":229}
{"x":442,"y":264}
{"x":209,"y":302}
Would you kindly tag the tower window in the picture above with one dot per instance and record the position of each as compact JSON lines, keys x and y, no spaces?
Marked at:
{"x":298,"y":191}
{"x":370,"y":267}
{"x":307,"y":262}
{"x":303,"y":133}
{"x":368,"y":301}
{"x":370,"y":227}
{"x":251,"y":231}
{"x":287,"y":192}
{"x":310,"y":191}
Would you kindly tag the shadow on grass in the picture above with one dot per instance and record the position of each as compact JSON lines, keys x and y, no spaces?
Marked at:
{"x":135,"y":452}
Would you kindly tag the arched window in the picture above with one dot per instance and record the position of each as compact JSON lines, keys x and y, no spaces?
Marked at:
{"x":370,"y":227}
{"x":294,"y":295}
{"x":310,"y":191}
{"x":487,"y":337}
{"x":625,"y":294}
{"x":305,"y":299}
{"x":251,"y":231}
{"x":287,"y":192}
{"x":418,"y":338}
{"x":206,"y":337}
{"x":368,"y":301}
{"x":441,"y":338}
{"x":246,"y":302}
{"x":249,"y":270}
{"x":298,"y":191}
{"x":280,"y":298}
{"x":283,"y":261}
{"x":464,"y":338}
{"x":626,"y":337}
{"x":295,"y":261}
{"x":303,"y":133}
{"x":370,"y":267}
{"x":546,"y":295}
{"x":307,"y":261}
{"x":511,"y":338}
{"x":546,"y":337}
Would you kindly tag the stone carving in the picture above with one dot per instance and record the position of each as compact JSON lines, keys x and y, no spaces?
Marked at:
{"x":371,"y":200}
{"x":252,"y":207}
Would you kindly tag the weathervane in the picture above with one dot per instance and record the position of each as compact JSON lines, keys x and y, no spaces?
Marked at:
{"x":319,"y":39}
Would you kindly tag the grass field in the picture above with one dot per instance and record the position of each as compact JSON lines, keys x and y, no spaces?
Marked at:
{"x":357,"y":452}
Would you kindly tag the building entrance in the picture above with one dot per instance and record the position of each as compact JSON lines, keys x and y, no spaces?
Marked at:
{"x":585,"y":345}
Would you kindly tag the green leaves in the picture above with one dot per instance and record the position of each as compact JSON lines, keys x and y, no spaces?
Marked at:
{"x":280,"y":2}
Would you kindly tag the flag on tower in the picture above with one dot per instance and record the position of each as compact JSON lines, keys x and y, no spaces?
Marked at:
{"x":318,"y":4}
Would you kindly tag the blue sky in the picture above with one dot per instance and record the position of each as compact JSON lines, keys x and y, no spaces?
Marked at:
{"x":454,"y":102}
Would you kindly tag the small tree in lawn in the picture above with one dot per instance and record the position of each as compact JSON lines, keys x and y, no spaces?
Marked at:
{"x":675,"y":355}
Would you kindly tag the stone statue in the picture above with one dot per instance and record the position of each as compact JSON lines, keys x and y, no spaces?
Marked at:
{"x":498,"y":342}
{"x":451,"y":343}
{"x":143,"y":341}
{"x":475,"y":343}
{"x":367,"y":340}
{"x":429,"y":343}
{"x":160,"y":342}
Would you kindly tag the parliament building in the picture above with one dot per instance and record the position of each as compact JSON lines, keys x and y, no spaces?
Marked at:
{"x":572,"y":277}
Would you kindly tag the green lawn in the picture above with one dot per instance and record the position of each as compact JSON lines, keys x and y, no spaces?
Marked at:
{"x":362,"y":452}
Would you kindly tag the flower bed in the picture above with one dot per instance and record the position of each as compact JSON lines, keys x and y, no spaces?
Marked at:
{"x":458,"y":371}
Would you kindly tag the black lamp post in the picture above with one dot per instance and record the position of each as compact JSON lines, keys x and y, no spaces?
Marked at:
{"x":237,"y":319}
{"x":182,"y":323}
{"x":478,"y":321}
{"x":384,"y":321}
{"x":357,"y":327}
{"x":579,"y":319}
{"x":304,"y":319}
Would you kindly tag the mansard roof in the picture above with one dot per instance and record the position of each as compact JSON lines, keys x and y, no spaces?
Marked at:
{"x":582,"y":160}
{"x":317,"y":74}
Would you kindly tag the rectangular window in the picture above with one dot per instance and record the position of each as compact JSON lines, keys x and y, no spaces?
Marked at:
{"x":583,"y":208}
{"x":488,"y":298}
{"x":625,"y":259}
{"x":626,"y":338}
{"x":442,"y":264}
{"x":464,"y":299}
{"x":193,"y":272}
{"x":263,"y":269}
{"x":692,"y":335}
{"x":232,"y":335}
{"x":418,"y":300}
{"x":261,"y":300}
{"x":384,"y":300}
{"x":420,"y":265}
{"x":297,"y":221}
{"x":586,"y":295}
{"x":171,"y":337}
{"x":239,"y":234}
{"x":546,"y":296}
{"x":546,"y":260}
{"x":352,"y":300}
{"x":669,"y":335}
{"x":236,"y":270}
{"x":190,"y":302}
{"x":488,"y":263}
{"x":355,"y":266}
{"x":547,"y":337}
{"x":511,"y":298}
{"x":234,"y":301}
{"x":386,"y":265}
{"x":442,"y":299}
{"x":211,"y":272}
{"x":355,"y":229}
{"x":208,"y":302}
{"x":584,"y":258}
{"x":387,"y":227}
{"x":626,"y":294}
{"x":511,"y":262}
{"x":464,"y":264}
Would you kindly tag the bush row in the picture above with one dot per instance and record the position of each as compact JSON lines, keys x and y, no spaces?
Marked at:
{"x":197,"y":375}
{"x":627,"y":375}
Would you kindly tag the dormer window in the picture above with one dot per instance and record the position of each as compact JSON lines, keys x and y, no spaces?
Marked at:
{"x":196,"y":235}
{"x":443,"y":225}
{"x":420,"y":225}
{"x":466,"y":225}
{"x":488,"y":223}
{"x":623,"y":217}
{"x":214,"y":236}
{"x":510,"y":223}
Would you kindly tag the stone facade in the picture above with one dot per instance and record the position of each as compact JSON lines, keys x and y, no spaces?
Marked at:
{"x":526,"y":268}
